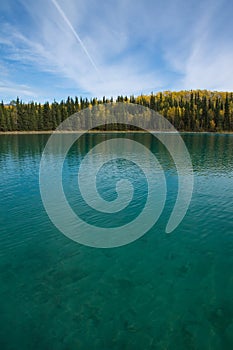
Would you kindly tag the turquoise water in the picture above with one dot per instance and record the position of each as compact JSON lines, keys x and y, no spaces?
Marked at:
{"x":163,"y":291}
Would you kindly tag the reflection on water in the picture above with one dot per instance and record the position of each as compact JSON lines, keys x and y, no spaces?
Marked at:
{"x":161,"y":292}
{"x":208,"y":151}
{"x":211,"y":151}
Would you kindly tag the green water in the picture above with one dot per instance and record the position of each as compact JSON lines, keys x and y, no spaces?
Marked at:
{"x":160,"y":292}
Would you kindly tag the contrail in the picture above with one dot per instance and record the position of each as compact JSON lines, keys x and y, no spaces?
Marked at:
{"x":75,"y":34}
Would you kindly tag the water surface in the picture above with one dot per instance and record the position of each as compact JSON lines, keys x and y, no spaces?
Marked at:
{"x":160,"y":292}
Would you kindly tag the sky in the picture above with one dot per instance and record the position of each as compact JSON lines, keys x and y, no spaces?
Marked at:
{"x":50,"y":49}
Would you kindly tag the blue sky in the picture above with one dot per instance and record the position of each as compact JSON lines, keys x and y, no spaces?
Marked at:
{"x":55,"y":48}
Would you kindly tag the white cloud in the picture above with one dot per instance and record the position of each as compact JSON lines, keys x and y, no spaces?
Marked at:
{"x":204,"y":56}
{"x":7,"y":88}
{"x":136,"y":46}
{"x":55,"y":49}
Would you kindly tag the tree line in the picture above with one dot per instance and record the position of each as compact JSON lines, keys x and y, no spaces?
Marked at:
{"x":195,"y":110}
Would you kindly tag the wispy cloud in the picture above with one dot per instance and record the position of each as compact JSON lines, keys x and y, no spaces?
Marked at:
{"x":8,"y":88}
{"x":67,"y":21}
{"x":136,"y":46}
{"x":51,"y":46}
{"x":205,"y":53}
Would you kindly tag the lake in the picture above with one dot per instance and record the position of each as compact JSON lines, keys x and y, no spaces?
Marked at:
{"x":163,"y":291}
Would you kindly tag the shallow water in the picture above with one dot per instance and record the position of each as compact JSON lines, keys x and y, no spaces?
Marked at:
{"x":163,"y":291}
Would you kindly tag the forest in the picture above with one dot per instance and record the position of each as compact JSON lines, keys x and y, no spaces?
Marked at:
{"x":194,"y":110}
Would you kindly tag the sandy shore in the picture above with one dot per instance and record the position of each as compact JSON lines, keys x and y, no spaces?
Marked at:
{"x":107,"y":131}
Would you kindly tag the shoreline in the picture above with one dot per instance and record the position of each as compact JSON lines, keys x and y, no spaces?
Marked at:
{"x":110,"y":131}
